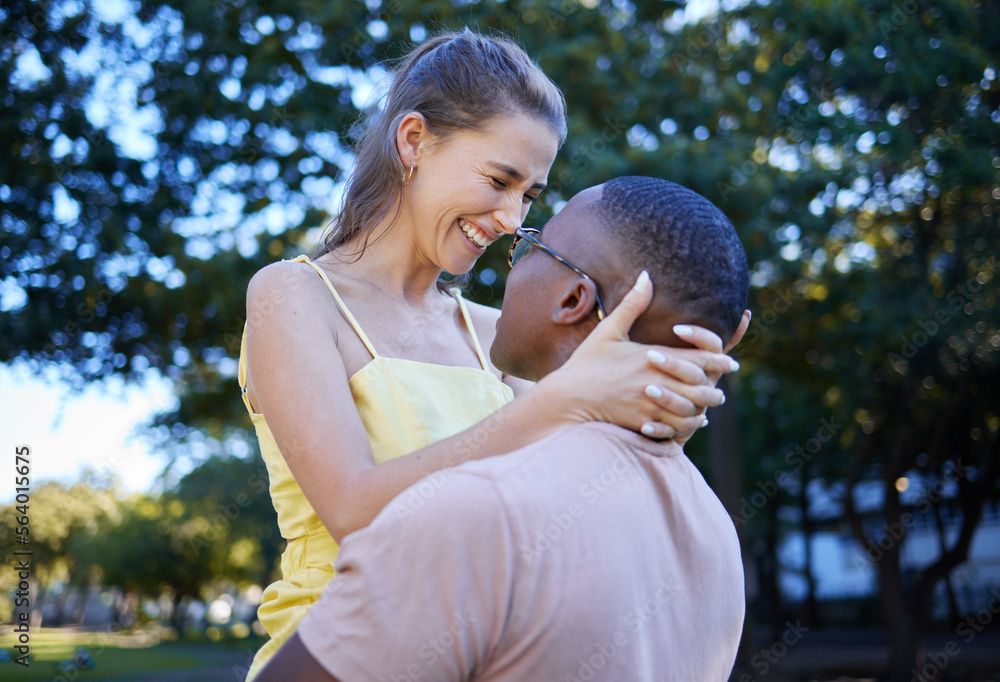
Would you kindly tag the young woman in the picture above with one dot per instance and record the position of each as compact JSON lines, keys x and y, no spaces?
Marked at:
{"x":359,"y":356}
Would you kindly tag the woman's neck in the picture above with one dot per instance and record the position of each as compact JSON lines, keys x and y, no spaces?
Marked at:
{"x":392,"y":263}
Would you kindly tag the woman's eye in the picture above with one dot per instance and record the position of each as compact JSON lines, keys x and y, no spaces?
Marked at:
{"x":500,"y":184}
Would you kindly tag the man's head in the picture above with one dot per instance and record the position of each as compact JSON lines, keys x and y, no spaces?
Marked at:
{"x":612,"y":232}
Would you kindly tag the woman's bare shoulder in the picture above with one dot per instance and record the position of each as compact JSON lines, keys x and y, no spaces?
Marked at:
{"x":285,"y":278}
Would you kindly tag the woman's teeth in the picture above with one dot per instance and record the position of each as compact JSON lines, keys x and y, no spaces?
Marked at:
{"x":474,"y":234}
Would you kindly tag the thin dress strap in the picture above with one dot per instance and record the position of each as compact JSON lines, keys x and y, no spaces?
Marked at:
{"x":340,"y":302}
{"x":241,"y":374}
{"x":472,"y":330}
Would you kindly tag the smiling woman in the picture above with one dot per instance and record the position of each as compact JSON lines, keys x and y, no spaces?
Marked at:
{"x":359,"y":356}
{"x":479,"y":184}
{"x":455,"y":83}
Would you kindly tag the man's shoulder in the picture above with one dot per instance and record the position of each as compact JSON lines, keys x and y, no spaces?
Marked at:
{"x":486,"y":490}
{"x":565,"y":458}
{"x":564,"y":442}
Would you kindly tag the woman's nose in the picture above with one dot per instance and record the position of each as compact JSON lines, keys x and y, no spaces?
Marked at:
{"x":510,"y":216}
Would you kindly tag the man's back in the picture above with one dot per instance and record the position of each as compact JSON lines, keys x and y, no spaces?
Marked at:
{"x":628,"y":566}
{"x":581,"y":557}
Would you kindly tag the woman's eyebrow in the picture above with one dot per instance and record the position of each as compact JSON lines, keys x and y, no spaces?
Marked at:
{"x":517,"y":175}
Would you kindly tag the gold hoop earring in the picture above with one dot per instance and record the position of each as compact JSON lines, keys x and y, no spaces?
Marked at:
{"x":409,"y":177}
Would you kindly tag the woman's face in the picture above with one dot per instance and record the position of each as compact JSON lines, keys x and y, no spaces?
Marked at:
{"x":476,"y":186}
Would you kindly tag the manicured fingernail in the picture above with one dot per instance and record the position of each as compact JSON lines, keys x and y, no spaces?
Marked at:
{"x":734,"y":366}
{"x":683,"y":330}
{"x":647,"y":430}
{"x":642,"y":283}
{"x":656,"y":357}
{"x":704,"y":423}
{"x":654,"y":391}
{"x":723,"y":399}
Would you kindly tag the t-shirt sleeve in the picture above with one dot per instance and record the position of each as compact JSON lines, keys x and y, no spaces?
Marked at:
{"x":420,"y":593}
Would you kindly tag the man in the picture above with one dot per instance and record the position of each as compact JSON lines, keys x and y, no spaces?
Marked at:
{"x":594,"y":554}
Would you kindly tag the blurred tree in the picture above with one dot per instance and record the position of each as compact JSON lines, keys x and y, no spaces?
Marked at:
{"x":215,"y":529}
{"x":872,"y":185}
{"x":64,"y":523}
{"x":157,"y":161}
{"x":229,"y":500}
{"x":153,"y":550}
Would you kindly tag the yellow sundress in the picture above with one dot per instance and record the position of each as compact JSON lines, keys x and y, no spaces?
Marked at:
{"x":405,"y":405}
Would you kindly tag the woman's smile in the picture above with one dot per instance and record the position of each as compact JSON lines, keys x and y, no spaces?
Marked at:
{"x":476,"y":234}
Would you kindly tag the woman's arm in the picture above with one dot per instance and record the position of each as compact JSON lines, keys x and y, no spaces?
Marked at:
{"x":300,"y":384}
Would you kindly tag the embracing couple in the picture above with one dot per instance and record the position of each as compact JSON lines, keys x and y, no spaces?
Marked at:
{"x":529,"y":515}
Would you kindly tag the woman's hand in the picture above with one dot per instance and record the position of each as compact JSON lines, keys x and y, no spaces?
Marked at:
{"x":659,"y":391}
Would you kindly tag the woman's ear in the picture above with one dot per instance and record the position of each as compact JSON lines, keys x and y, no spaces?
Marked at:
{"x":577,"y":303}
{"x":411,"y":133}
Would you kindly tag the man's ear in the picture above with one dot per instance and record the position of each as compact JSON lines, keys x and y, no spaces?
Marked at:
{"x":410,"y":135}
{"x":577,"y":303}
{"x":740,"y":331}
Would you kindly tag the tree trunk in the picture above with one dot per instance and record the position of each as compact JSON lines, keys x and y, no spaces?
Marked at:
{"x":43,"y":593}
{"x":905,"y":650}
{"x":724,"y":450}
{"x":177,"y":615}
{"x":896,"y":613}
{"x":812,"y":606}
{"x":776,"y":607}
{"x":62,"y":601}
{"x":80,"y":608}
{"x":943,"y":548}
{"x":726,"y":462}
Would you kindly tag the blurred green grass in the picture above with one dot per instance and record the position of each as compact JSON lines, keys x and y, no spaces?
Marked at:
{"x":120,"y":655}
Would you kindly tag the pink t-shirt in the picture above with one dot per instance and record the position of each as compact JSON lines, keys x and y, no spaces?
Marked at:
{"x":581,"y":557}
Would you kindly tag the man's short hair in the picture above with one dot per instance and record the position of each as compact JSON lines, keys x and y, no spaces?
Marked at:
{"x":692,"y":252}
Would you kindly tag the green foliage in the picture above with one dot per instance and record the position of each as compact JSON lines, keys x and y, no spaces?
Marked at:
{"x":64,"y":521}
{"x":228,"y":498}
{"x":215,"y":531}
{"x":854,"y":146}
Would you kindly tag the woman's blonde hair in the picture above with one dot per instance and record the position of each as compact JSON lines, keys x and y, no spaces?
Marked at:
{"x":456,"y":81}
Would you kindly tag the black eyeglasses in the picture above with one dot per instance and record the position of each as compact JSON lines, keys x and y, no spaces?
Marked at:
{"x":524,"y":239}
